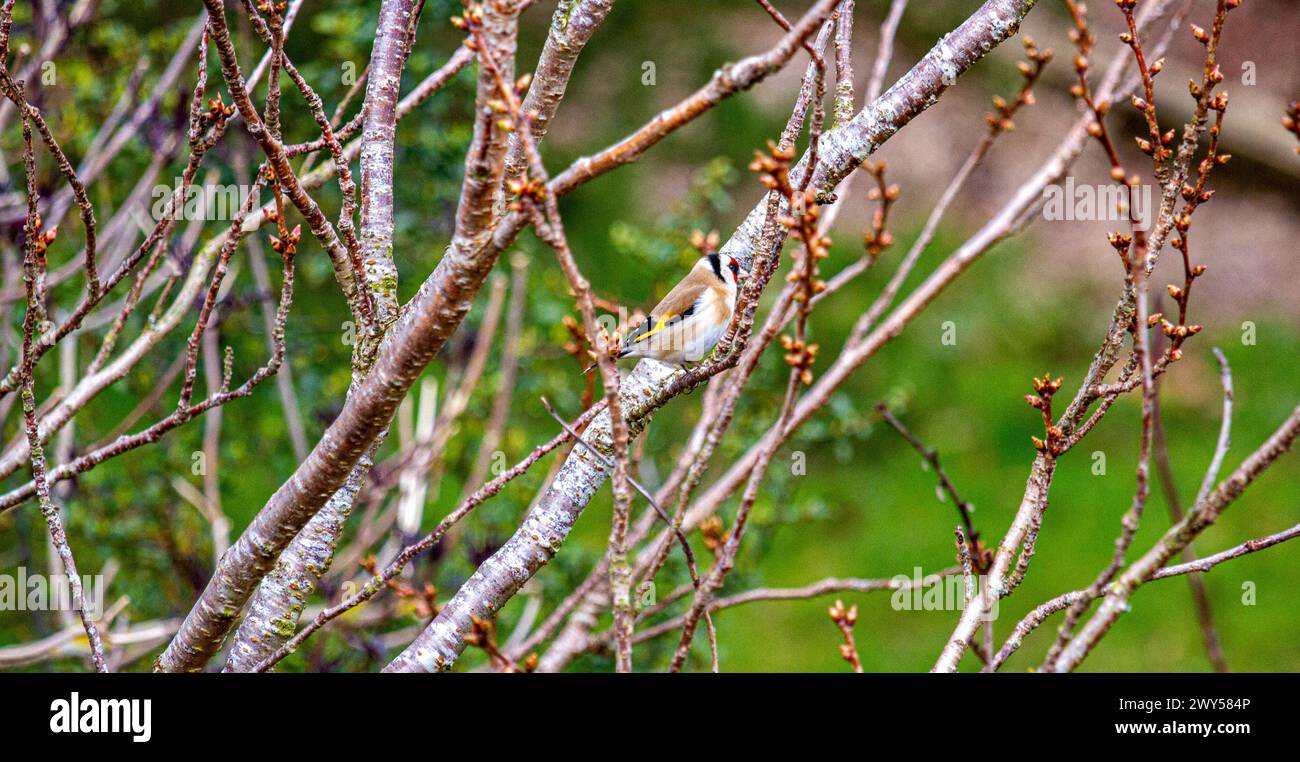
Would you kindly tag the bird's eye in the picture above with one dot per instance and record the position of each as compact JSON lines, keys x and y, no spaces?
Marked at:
{"x":732,"y":266}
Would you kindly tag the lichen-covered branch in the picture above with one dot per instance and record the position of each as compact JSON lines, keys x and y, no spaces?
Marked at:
{"x":273,"y":613}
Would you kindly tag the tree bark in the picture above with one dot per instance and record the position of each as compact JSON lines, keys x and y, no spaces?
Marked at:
{"x":274,"y":612}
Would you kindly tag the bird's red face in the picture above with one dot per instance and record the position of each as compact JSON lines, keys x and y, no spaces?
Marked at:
{"x":733,"y":267}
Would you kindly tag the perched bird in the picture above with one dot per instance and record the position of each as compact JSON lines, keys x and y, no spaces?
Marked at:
{"x":691,"y":318}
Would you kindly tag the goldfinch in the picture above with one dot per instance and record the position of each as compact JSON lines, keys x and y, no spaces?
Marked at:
{"x":684,"y":326}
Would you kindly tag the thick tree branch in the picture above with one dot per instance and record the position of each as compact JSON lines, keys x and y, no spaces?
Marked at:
{"x":274,"y":611}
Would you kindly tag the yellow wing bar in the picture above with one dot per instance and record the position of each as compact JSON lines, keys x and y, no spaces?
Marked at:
{"x":663,"y":323}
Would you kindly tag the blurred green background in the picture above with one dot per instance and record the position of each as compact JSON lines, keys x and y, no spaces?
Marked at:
{"x":865,"y":507}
